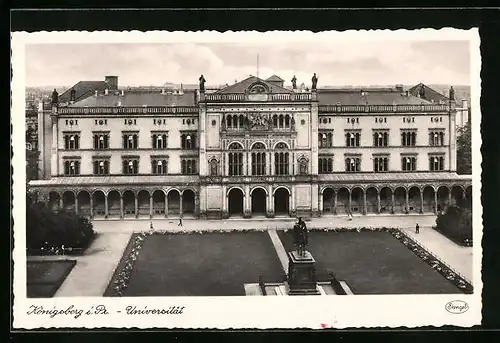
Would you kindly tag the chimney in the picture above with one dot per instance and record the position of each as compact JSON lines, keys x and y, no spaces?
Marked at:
{"x":106,"y":91}
{"x":399,"y":88}
{"x":465,"y":105}
{"x":112,"y":82}
{"x":72,"y":95}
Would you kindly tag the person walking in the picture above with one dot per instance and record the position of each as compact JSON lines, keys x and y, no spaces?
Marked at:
{"x":417,"y":229}
{"x":180,"y":221}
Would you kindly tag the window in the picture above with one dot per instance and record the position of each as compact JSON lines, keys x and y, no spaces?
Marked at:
{"x":159,"y":140}
{"x":352,"y":139}
{"x":188,"y":166}
{"x":380,"y":138}
{"x":71,"y":168}
{"x":258,"y":159}
{"x":130,"y":140}
{"x":130,"y":166}
{"x":409,"y":163}
{"x":281,"y":164}
{"x":408,"y":138}
{"x":325,"y":164}
{"x":281,"y":121}
{"x":188,"y":141}
{"x":235,"y":121}
{"x":353,"y":164}
{"x":101,"y":140}
{"x":380,"y":164}
{"x":436,"y":163}
{"x":159,"y":165}
{"x":436,"y":138}
{"x":235,"y":160}
{"x":71,"y":141}
{"x":101,"y":167}
{"x":325,"y":139}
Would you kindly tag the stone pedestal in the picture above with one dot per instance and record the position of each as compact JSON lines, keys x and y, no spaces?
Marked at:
{"x":302,"y":274}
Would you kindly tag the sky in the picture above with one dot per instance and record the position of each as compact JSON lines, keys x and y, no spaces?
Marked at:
{"x":335,"y":63}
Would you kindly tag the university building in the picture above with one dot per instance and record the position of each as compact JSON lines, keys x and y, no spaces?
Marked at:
{"x":254,"y":148}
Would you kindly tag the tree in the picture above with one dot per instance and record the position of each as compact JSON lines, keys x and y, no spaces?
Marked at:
{"x":464,"y":151}
{"x":32,"y":164}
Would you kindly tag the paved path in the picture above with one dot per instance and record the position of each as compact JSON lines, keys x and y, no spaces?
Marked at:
{"x":93,"y":270}
{"x":263,"y":223}
{"x":457,"y":257}
{"x":280,"y":249}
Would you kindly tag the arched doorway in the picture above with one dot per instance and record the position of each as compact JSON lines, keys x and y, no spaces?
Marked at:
{"x":114,"y":204}
{"x":371,"y":200}
{"x":429,"y":204}
{"x":128,"y":204}
{"x":83,"y":203}
{"x":357,"y":201}
{"x":399,"y":200}
{"x":385,"y":200}
{"x":343,"y":201}
{"x":54,"y":200}
{"x":158,"y":202}
{"x":414,"y":202}
{"x":235,"y":202}
{"x":259,"y":201}
{"x":328,"y":201}
{"x":442,"y":198}
{"x":457,"y":196}
{"x":282,"y":202}
{"x":98,"y":203}
{"x":174,"y":202}
{"x":143,"y":203}
{"x":188,"y":205}
{"x":69,"y":201}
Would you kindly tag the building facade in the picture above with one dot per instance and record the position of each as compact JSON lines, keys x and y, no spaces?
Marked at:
{"x":254,"y":148}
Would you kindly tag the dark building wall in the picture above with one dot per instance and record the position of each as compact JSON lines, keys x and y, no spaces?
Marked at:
{"x":112,"y":82}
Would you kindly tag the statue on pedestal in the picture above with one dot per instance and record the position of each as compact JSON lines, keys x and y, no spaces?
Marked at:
{"x":55,"y":97}
{"x":202,"y":83}
{"x":314,"y":82}
{"x":294,"y":82}
{"x":300,"y":237}
{"x":452,"y":94}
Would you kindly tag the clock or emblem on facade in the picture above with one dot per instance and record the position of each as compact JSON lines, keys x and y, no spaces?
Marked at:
{"x":258,"y":121}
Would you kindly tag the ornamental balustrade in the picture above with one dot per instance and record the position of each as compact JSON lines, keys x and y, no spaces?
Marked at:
{"x":383,"y":108}
{"x":240,"y":97}
{"x":130,"y":110}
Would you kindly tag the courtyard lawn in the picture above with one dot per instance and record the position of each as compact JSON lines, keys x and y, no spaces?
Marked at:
{"x":45,"y":277}
{"x":208,"y":264}
{"x":372,"y":263}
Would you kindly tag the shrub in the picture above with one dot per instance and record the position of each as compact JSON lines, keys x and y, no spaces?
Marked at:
{"x":456,"y":224}
{"x":48,"y":232}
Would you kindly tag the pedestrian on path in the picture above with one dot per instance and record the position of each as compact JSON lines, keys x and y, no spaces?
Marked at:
{"x":151,"y":226}
{"x":417,"y":229}
{"x":180,"y":222}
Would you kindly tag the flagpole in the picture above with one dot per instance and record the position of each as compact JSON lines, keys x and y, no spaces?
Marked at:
{"x":257,"y":65}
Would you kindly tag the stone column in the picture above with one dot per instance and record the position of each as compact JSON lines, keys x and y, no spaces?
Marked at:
{"x":321,"y":205}
{"x":435,"y":201}
{"x":136,"y":205}
{"x":392,"y":201}
{"x":269,"y":170}
{"x":91,"y":206}
{"x":151,"y":206}
{"x":272,"y":171}
{"x":180,"y":205}
{"x":407,"y":200}
{"x":61,"y":203}
{"x":364,"y":201}
{"x":350,"y":200}
{"x":270,"y":201}
{"x":421,"y":201}
{"x":166,"y":205}
{"x":247,"y":212}
{"x":121,"y":206}
{"x":378,"y":202}
{"x":106,"y":210}
{"x":335,"y":202}
{"x":76,"y":204}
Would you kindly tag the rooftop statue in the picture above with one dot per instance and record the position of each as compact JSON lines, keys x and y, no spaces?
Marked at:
{"x":294,"y":82}
{"x":314,"y":82}
{"x":55,"y":97}
{"x":202,"y":83}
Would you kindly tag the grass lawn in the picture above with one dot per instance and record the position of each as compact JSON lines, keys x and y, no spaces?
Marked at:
{"x":372,"y":263}
{"x":45,"y":277}
{"x":208,"y":264}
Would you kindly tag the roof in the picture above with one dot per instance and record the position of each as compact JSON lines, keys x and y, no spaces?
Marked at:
{"x":369,"y":96}
{"x":83,"y":89}
{"x":275,"y":78}
{"x":114,"y":180}
{"x":242,"y":86}
{"x":386,"y":177}
{"x":138,"y":98}
{"x":429,"y":93}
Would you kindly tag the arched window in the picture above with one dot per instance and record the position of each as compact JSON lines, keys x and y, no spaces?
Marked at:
{"x":408,"y":163}
{"x":353,"y":164}
{"x":281,"y":160}
{"x":258,"y":159}
{"x":235,"y":160}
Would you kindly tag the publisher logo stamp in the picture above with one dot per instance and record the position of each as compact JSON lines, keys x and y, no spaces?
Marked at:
{"x":456,"y":306}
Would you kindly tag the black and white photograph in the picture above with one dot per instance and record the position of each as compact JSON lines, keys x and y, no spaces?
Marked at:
{"x":165,"y":172}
